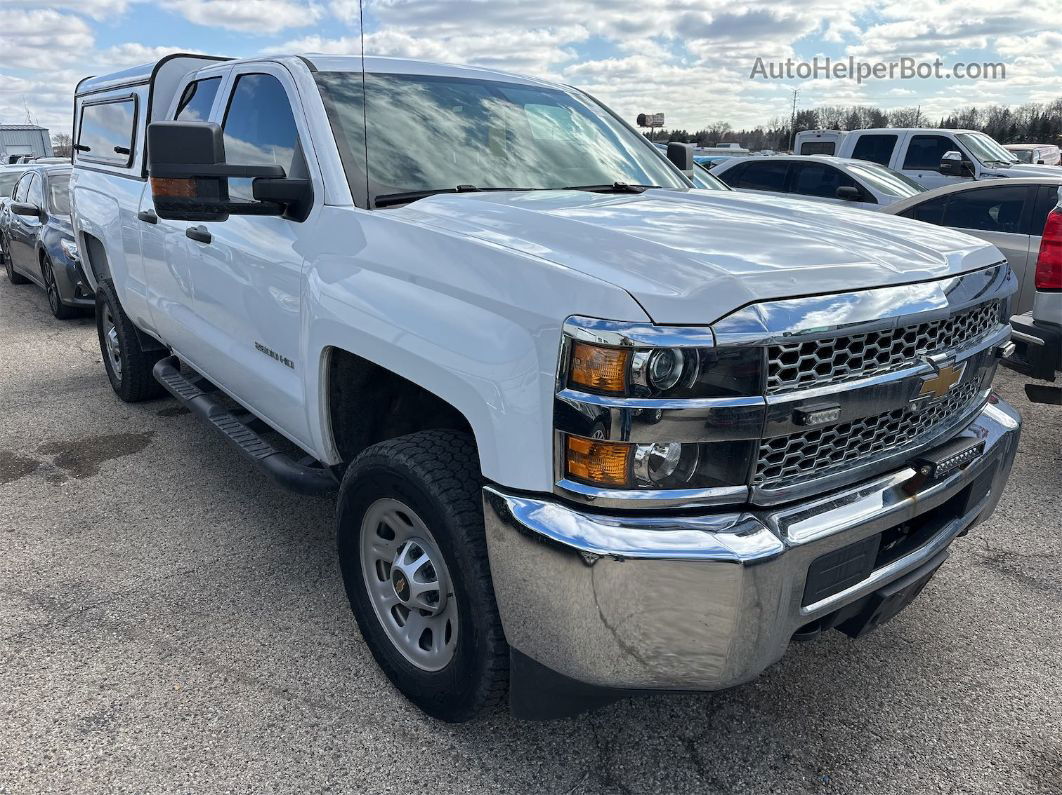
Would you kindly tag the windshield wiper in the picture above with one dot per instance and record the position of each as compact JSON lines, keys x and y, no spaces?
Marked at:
{"x":390,"y":199}
{"x":615,"y":187}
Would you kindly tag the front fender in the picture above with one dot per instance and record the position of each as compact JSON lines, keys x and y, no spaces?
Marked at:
{"x":474,"y":323}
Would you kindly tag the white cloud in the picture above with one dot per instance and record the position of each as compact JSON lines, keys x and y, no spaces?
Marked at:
{"x":262,"y":17}
{"x":42,"y":38}
{"x":97,"y":9}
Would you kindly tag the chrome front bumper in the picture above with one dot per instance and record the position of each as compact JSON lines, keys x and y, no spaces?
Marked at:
{"x":708,"y":601}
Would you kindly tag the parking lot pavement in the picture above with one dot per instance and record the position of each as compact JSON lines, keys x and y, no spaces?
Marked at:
{"x":171,"y":621}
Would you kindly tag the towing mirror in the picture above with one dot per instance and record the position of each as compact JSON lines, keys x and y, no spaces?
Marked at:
{"x":190,"y":178}
{"x":953,"y":165}
{"x":27,"y":209}
{"x":848,"y":193}
{"x":682,"y":156}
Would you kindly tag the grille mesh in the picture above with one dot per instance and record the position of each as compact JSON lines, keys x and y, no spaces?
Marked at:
{"x":784,"y":460}
{"x":829,"y":361}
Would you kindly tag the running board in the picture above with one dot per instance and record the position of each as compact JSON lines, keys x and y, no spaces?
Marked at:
{"x":294,"y":475}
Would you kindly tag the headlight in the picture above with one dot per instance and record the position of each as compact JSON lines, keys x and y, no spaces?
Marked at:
{"x":663,"y":372}
{"x":655,"y":412}
{"x":656,"y":465}
{"x":69,"y":248}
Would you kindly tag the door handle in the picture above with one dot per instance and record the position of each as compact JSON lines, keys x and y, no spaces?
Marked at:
{"x":199,"y":233}
{"x":148,"y":216}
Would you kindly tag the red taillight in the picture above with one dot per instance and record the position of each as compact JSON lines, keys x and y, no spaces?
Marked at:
{"x":1049,"y":263}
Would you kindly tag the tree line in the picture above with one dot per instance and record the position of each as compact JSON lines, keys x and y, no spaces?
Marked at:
{"x":1035,"y":122}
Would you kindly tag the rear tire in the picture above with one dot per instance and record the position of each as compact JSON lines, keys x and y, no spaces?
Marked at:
{"x":128,"y":365}
{"x":12,"y":275}
{"x":51,"y":288}
{"x":417,"y":500}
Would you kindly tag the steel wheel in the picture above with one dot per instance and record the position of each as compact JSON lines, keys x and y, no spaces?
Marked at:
{"x":408,"y":584}
{"x":113,"y":346}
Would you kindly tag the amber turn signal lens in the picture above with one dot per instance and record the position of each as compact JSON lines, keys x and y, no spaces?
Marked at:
{"x":173,"y":188}
{"x":598,"y":463}
{"x":600,"y":369}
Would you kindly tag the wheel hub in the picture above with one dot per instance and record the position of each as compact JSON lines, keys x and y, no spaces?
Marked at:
{"x":415,"y":578}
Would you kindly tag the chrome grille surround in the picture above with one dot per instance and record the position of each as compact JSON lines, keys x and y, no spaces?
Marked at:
{"x":818,"y":452}
{"x":791,"y":366}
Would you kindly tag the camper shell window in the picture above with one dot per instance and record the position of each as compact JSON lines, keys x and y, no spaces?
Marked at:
{"x":105,"y":134}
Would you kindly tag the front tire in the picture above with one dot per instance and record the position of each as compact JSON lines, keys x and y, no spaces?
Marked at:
{"x":128,"y":365}
{"x":414,"y":559}
{"x":51,"y":288}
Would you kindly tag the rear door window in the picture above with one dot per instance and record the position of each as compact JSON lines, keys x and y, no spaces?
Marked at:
{"x":106,"y":132}
{"x":197,"y":100}
{"x":818,"y":148}
{"x":876,"y":148}
{"x":819,"y":179}
{"x":996,"y":209}
{"x":767,"y":175}
{"x":925,"y":152}
{"x":931,"y":212}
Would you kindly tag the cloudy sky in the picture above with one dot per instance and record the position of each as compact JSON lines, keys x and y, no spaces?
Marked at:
{"x":689,"y":59}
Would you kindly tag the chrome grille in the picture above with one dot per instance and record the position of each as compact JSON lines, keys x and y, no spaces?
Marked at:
{"x":784,"y":460}
{"x":838,"y":359}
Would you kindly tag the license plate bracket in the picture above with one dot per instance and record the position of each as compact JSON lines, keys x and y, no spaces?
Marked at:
{"x":884,"y":604}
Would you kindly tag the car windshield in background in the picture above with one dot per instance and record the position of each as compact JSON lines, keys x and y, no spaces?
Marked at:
{"x":59,"y":194}
{"x":1023,"y":155}
{"x":8,"y":180}
{"x":885,"y":180}
{"x":428,"y":133}
{"x":985,"y":149}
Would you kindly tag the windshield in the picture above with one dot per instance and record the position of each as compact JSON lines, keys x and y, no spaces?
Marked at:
{"x":428,"y":133}
{"x":59,"y":194}
{"x":1023,"y":155}
{"x":985,"y":149}
{"x":885,"y":180}
{"x":8,"y":180}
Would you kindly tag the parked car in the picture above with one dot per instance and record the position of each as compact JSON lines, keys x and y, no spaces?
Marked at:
{"x":822,"y":178}
{"x":708,"y":162}
{"x":931,"y":157}
{"x":1009,"y":214}
{"x":37,"y":240}
{"x":592,"y":431}
{"x":1039,"y":154}
{"x":8,"y":177}
{"x":1038,"y":332}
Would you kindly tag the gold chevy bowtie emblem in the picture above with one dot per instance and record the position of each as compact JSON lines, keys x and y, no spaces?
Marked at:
{"x":941,"y":383}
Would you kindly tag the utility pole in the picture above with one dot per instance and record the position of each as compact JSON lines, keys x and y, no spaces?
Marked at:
{"x":792,"y":125}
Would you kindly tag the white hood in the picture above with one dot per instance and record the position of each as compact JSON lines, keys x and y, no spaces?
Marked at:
{"x":1022,"y":170}
{"x":691,"y":258}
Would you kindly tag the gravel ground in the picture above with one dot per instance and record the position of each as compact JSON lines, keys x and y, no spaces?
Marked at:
{"x":171,"y":621}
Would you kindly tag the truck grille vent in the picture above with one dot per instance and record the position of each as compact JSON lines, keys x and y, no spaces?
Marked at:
{"x":830,"y":361}
{"x":785,"y":460}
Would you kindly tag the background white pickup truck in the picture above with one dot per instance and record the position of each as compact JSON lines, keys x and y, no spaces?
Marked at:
{"x":919,"y":152}
{"x":592,"y":432}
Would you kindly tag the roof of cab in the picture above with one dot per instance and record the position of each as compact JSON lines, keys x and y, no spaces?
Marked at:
{"x":413,"y":66}
{"x":319,"y":62}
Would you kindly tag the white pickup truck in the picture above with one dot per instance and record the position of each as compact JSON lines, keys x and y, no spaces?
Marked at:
{"x":592,"y":432}
{"x":931,"y":157}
